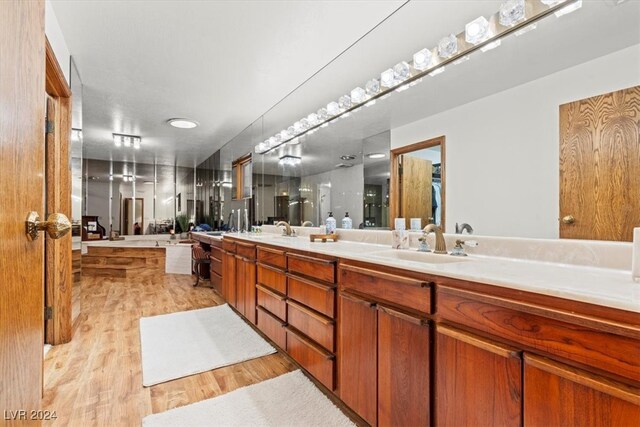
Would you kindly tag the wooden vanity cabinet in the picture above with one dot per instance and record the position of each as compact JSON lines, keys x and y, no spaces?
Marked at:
{"x":383,"y":350}
{"x":215,"y":267}
{"x":246,"y":280}
{"x":478,"y":382}
{"x":560,"y":395}
{"x":229,"y":273}
{"x":271,"y":291}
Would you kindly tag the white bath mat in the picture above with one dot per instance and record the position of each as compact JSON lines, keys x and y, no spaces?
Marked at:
{"x":288,"y":400}
{"x":180,"y":344}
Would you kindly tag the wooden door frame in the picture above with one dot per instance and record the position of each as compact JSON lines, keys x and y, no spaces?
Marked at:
{"x":58,"y":255}
{"x":124,"y":214}
{"x":394,"y":183}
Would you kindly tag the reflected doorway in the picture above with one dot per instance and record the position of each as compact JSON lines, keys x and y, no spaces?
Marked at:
{"x":132,"y":216}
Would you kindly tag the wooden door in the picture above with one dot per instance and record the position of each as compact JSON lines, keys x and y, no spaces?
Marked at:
{"x":403,"y":369}
{"x":600,"y":166}
{"x":478,"y":382}
{"x":559,"y":395}
{"x":22,"y":82}
{"x":357,"y":356}
{"x":415,"y":188}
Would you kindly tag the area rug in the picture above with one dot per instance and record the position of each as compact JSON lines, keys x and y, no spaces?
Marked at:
{"x":288,"y":400}
{"x":180,"y":344}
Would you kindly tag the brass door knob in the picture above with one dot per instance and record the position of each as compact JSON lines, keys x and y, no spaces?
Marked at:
{"x":56,"y":225}
{"x":569,"y":219}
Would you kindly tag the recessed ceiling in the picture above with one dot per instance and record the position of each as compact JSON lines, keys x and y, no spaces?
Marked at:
{"x":221,"y":63}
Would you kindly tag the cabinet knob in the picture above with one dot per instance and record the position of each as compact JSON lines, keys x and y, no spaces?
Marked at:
{"x":569,"y":219}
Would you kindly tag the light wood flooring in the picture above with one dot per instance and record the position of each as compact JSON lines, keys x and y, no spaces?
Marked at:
{"x":96,"y":379}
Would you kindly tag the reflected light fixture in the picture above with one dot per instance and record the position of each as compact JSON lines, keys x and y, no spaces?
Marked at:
{"x":376,"y":155}
{"x":182,"y":123}
{"x":128,"y":141}
{"x":289,"y":160}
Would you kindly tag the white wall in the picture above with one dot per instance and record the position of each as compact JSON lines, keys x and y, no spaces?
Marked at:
{"x":502,"y":151}
{"x":98,"y":202}
{"x":56,"y":39}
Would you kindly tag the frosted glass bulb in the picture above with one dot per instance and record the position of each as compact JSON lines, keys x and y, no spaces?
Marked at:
{"x":386,"y":78}
{"x":477,"y":30}
{"x":422,"y":59}
{"x":372,"y":87}
{"x":358,"y":95}
{"x":333,"y":108}
{"x":511,"y":12}
{"x":344,"y":102}
{"x":448,"y":46}
{"x":401,"y":71}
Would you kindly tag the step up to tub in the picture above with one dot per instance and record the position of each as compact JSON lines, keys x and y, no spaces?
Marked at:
{"x":113,"y":260}
{"x":121,"y":271}
{"x":120,"y":262}
{"x":129,"y":252}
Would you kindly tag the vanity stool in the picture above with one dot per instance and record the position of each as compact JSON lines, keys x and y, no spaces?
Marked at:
{"x":199,"y":257}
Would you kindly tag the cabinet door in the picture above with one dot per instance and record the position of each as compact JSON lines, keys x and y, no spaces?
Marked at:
{"x":403,"y":369}
{"x":229,"y":278}
{"x":560,"y":395}
{"x":478,"y":382}
{"x":249,"y":268}
{"x":240,"y":286}
{"x":357,"y":354}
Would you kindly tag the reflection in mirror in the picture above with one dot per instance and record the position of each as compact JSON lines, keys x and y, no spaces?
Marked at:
{"x":376,"y":181}
{"x":76,"y":187}
{"x":417,"y":185}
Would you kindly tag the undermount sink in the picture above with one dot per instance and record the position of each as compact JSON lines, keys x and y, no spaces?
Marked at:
{"x":426,"y":257}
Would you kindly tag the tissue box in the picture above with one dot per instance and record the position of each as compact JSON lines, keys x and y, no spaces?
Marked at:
{"x":400,"y":239}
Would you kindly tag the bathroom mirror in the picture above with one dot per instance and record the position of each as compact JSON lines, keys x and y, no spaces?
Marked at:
{"x":417,"y":187}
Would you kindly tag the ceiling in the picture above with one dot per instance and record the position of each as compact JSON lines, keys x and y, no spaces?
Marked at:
{"x":221,"y":63}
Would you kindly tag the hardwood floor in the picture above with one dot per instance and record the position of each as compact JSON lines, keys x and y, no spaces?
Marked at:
{"x":96,"y":379}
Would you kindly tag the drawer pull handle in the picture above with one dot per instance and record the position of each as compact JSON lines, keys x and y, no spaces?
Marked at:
{"x":311,"y":313}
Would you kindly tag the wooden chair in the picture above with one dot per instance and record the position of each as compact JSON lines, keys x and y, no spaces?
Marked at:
{"x":199,"y":257}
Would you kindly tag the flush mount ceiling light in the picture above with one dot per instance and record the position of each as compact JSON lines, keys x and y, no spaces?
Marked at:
{"x":376,"y":155}
{"x":348,"y":157}
{"x":126,"y":141}
{"x":481,"y":34}
{"x":290,"y":160}
{"x":182,"y":123}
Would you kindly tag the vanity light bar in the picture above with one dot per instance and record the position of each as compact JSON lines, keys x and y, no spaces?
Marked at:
{"x":515,"y":15}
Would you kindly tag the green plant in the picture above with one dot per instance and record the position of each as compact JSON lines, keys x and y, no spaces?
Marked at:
{"x":183,"y":220}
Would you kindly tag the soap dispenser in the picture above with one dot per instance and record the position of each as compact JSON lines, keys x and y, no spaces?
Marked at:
{"x":347,"y":223}
{"x":330,"y":224}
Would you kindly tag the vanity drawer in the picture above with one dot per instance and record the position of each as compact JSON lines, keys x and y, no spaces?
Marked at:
{"x":316,"y":326}
{"x":272,"y":278}
{"x":272,"y":327}
{"x":229,"y":246}
{"x":216,"y":265}
{"x":318,"y":296}
{"x":272,"y":301}
{"x":246,"y":250}
{"x":398,"y":290}
{"x":319,"y":362}
{"x":216,"y":281}
{"x":272,"y":257}
{"x":217,"y":253}
{"x":317,"y":268}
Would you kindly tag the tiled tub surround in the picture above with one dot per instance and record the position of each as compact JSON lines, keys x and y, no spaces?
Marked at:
{"x":592,"y":272}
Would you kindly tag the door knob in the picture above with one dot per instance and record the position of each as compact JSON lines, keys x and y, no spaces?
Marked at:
{"x":569,"y":219}
{"x":56,"y":225}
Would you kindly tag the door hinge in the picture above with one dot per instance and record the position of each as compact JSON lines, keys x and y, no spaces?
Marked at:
{"x":48,"y":313}
{"x":49,"y":126}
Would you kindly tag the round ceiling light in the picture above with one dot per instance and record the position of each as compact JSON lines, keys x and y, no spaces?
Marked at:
{"x":182,"y":123}
{"x":376,"y":155}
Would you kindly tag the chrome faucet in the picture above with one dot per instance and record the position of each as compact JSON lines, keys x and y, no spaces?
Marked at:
{"x":441,"y":246}
{"x":287,"y":227}
{"x":462,"y":227}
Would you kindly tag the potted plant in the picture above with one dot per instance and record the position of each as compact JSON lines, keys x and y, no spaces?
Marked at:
{"x":183,"y":221}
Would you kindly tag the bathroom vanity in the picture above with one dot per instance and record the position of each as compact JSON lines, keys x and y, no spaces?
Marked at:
{"x":422,"y":339}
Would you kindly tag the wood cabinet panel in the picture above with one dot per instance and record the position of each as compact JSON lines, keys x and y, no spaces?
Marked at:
{"x":216,"y":265}
{"x":607,"y":351}
{"x":319,"y":362}
{"x":240,"y":285}
{"x":559,"y":395}
{"x":319,"y":297}
{"x":272,"y":327}
{"x":391,"y":288}
{"x":272,"y":278}
{"x":478,"y":382}
{"x":246,"y":250}
{"x":357,"y":356}
{"x":228,"y":245}
{"x":248,"y":285}
{"x":272,"y":301}
{"x":316,"y":268}
{"x":403,"y":369}
{"x":316,"y":326}
{"x":229,"y":278}
{"x":217,"y":253}
{"x":272,"y":257}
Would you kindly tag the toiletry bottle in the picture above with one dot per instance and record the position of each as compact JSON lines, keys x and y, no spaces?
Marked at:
{"x":347,"y":223}
{"x":331,"y":224}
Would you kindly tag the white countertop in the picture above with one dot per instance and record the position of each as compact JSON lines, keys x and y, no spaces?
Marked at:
{"x":602,"y":286}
